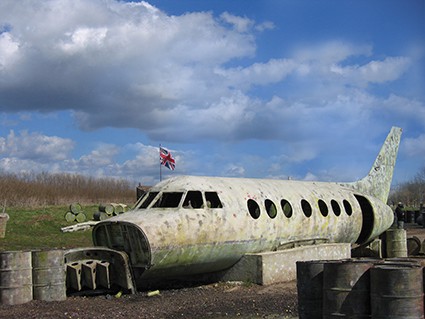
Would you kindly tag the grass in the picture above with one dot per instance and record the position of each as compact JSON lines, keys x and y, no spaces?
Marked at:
{"x":40,"y":228}
{"x":37,"y":204}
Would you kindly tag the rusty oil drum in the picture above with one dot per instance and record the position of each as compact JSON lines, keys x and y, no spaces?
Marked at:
{"x":396,"y":291}
{"x":48,"y":271}
{"x":346,"y":289}
{"x":15,"y":277}
{"x":310,"y":288}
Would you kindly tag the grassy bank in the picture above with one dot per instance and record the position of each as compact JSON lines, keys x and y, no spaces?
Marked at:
{"x":29,"y":229}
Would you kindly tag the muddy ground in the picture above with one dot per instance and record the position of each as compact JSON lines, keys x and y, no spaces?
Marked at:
{"x":215,"y":301}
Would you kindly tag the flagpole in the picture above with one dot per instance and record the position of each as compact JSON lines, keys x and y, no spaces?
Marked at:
{"x":160,"y":164}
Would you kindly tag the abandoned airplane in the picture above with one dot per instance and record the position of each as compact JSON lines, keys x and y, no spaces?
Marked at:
{"x":192,"y":224}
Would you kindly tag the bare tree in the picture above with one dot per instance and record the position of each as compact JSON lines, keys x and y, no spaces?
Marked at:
{"x":411,"y":193}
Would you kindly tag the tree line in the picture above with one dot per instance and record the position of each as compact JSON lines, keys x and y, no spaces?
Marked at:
{"x":411,"y":193}
{"x":47,"y":189}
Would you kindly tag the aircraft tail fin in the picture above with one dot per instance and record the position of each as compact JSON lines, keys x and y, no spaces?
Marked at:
{"x":378,"y":182}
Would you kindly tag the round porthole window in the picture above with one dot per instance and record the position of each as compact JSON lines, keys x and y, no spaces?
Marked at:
{"x":286,"y":207}
{"x":323,"y":208}
{"x":335,"y":207}
{"x":306,"y":208}
{"x":347,"y":207}
{"x":253,"y":208}
{"x":270,"y":208}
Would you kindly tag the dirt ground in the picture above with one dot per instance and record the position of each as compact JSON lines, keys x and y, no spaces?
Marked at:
{"x":211,"y":301}
{"x":215,"y":301}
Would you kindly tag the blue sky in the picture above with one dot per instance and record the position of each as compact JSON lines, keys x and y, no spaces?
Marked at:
{"x":267,"y":89}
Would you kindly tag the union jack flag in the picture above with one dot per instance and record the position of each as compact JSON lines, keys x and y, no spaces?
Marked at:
{"x":166,"y":158}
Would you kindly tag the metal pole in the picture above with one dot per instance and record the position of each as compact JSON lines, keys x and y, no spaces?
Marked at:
{"x":160,"y":164}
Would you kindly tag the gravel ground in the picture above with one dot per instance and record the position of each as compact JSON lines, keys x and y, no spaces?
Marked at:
{"x":215,"y":301}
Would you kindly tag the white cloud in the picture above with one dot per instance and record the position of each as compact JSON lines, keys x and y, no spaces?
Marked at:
{"x":186,"y":78}
{"x":267,"y":25}
{"x":415,"y":147}
{"x":83,"y":38}
{"x":35,"y":146}
{"x":99,"y":57}
{"x":8,"y":50}
{"x":35,"y":153}
{"x":389,"y":69}
{"x":240,"y":24}
{"x":146,"y":159}
{"x":233,"y":170}
{"x":120,"y":64}
{"x":331,"y":51}
{"x":99,"y":157}
{"x":404,"y":109}
{"x":275,"y":70}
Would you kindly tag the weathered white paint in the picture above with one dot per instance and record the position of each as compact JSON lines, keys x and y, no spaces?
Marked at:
{"x":175,"y":241}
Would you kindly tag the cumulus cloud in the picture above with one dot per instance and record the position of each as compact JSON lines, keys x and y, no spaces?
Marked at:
{"x":34,"y":152}
{"x":331,"y":51}
{"x":119,"y":64}
{"x":389,"y":69}
{"x":234,"y":170}
{"x":82,"y":38}
{"x":415,"y":147}
{"x":35,"y":146}
{"x":272,"y":71}
{"x":8,"y":50}
{"x":184,"y":78}
{"x":100,"y":157}
{"x":240,"y":24}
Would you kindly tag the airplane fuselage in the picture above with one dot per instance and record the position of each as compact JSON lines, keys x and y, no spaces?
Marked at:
{"x":193,"y":224}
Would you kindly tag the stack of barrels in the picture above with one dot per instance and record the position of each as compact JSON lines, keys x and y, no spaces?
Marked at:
{"x":75,"y":214}
{"x":32,"y":275}
{"x":360,"y":288}
{"x":109,"y":210}
{"x":376,"y":288}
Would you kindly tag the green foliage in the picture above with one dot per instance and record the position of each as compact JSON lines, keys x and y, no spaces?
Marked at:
{"x":29,"y":229}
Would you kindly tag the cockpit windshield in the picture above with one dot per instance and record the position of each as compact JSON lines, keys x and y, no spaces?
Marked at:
{"x":192,"y":200}
{"x":168,"y":200}
{"x":147,"y":199}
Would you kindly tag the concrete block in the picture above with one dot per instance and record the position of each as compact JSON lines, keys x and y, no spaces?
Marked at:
{"x":280,"y":266}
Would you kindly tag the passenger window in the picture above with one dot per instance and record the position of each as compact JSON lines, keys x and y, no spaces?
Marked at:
{"x":306,"y":208}
{"x":270,"y":208}
{"x":148,"y":199}
{"x":335,"y":207}
{"x":193,"y":200}
{"x":253,"y":208}
{"x":286,"y":207}
{"x":347,"y":207}
{"x":323,"y":208}
{"x":168,"y":200}
{"x":213,"y":201}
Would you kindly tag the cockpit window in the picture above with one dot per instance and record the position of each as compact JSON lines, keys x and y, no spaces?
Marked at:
{"x":168,"y":200}
{"x":147,"y":199}
{"x":213,"y":201}
{"x":193,"y":200}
